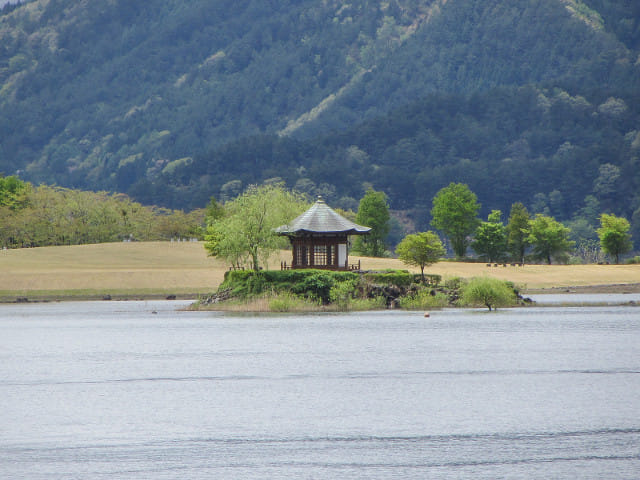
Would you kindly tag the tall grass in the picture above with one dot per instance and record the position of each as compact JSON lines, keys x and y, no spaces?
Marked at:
{"x":288,"y":302}
{"x":424,"y":299}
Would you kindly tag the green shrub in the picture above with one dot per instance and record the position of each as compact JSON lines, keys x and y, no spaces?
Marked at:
{"x":343,"y":293}
{"x":633,"y":260}
{"x":315,"y":284}
{"x":454,"y":283}
{"x":430,"y":279}
{"x":424,"y":298}
{"x":401,"y":278}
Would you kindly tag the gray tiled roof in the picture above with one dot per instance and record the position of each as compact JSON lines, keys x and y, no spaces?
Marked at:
{"x":320,"y":218}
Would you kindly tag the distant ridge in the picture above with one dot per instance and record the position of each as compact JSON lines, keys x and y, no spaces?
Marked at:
{"x":166,"y":100}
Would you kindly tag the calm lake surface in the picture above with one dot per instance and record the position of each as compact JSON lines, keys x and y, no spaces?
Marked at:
{"x":139,"y":390}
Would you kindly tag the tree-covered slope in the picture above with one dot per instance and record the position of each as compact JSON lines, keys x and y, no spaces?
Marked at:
{"x":543,"y":147}
{"x":171,"y":100}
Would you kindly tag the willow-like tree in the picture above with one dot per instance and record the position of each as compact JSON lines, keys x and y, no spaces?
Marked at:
{"x":614,"y":235}
{"x":454,"y":212}
{"x":490,"y":292}
{"x":245,"y":234}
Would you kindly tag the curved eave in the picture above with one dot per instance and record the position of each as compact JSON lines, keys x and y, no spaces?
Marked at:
{"x":320,"y":219}
{"x":303,"y":232}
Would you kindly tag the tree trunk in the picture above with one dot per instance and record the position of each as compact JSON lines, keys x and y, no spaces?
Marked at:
{"x":254,"y":259}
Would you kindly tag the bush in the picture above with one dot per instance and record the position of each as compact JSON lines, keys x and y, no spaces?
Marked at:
{"x":454,"y":283}
{"x":313,"y":284}
{"x":400,"y":278}
{"x":342,"y":293}
{"x":424,"y":298}
{"x":430,"y":279}
{"x":317,"y":285}
{"x":489,"y":292}
{"x":634,"y":260}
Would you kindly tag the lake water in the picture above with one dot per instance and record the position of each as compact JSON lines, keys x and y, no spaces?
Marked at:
{"x":585,"y":298}
{"x":138,"y":390}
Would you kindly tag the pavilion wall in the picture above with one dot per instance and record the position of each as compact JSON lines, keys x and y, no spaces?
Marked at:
{"x":320,"y":251}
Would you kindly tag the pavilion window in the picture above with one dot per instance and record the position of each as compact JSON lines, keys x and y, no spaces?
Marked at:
{"x":320,"y":255}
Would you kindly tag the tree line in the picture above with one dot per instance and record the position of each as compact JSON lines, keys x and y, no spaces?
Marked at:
{"x":525,"y":237}
{"x":539,"y":237}
{"x":242,"y":231}
{"x":36,"y":216}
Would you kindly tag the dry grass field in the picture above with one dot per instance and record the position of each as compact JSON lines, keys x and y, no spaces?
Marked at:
{"x":117,"y":269}
{"x":158,"y":269}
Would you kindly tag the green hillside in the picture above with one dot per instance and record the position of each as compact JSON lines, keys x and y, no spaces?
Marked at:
{"x":174,"y":101}
{"x":557,"y":153}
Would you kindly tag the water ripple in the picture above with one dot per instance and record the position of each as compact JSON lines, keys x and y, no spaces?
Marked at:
{"x":347,"y":375}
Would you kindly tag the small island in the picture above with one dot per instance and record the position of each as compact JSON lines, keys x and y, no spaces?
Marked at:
{"x":309,"y":290}
{"x":320,"y":276}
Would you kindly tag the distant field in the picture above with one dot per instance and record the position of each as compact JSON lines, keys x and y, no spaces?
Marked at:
{"x":137,"y":270}
{"x":117,"y":269}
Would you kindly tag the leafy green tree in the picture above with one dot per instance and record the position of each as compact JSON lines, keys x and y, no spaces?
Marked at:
{"x":61,"y":216}
{"x":549,"y":238}
{"x":213,"y":211}
{"x":490,"y":239}
{"x":454,"y":212}
{"x":12,"y":192}
{"x":420,"y":249}
{"x":490,"y":292}
{"x":373,"y":211}
{"x":224,"y":239}
{"x":246,"y":232}
{"x":614,"y":235}
{"x":517,"y":231}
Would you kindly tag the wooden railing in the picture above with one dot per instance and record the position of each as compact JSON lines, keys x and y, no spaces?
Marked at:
{"x":354,"y":267}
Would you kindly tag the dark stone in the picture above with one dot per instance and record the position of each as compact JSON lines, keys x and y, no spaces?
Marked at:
{"x":22,"y":300}
{"x":171,"y":297}
{"x":220,"y":296}
{"x":106,"y":297}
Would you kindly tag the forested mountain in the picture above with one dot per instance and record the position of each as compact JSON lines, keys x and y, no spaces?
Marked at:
{"x":173,"y":101}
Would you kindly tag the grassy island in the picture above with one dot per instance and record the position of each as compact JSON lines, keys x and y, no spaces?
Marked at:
{"x":323,"y":290}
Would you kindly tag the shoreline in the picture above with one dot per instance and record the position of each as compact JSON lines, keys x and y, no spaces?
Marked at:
{"x":52,"y":297}
{"x":8,"y":297}
{"x":586,"y":289}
